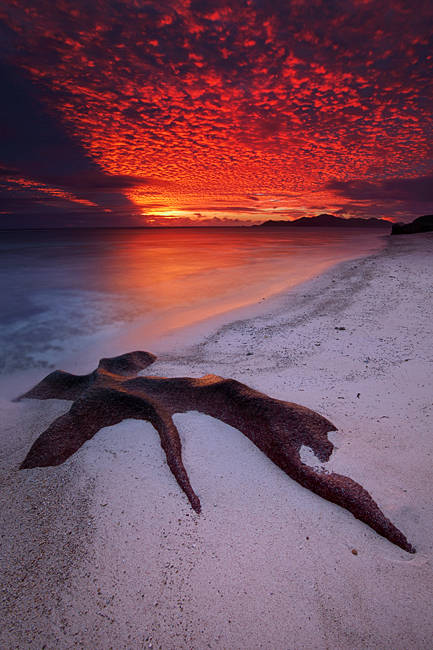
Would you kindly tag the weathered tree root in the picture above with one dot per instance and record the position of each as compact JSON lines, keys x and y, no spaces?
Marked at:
{"x":113,"y":392}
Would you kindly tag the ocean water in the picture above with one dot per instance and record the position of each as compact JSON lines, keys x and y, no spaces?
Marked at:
{"x":65,"y":292}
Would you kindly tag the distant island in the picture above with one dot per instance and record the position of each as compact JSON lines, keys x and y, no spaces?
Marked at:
{"x":421,"y":224}
{"x":327,"y":221}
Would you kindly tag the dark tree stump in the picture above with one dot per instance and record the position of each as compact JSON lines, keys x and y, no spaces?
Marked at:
{"x":113,"y":392}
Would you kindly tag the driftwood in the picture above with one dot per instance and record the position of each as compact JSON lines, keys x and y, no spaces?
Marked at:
{"x":113,"y":392}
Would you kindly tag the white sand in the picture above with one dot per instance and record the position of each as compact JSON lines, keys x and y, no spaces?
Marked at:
{"x":105,"y":552}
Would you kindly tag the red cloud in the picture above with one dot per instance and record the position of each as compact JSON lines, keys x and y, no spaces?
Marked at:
{"x":232,"y":98}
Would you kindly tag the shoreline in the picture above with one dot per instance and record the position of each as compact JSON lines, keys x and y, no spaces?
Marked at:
{"x":79,"y":353}
{"x":267,"y":563}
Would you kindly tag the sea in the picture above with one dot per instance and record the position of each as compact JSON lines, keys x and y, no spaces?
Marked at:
{"x":69,"y":294}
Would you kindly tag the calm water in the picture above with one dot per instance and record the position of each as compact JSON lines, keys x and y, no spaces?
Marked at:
{"x":64,"y":291}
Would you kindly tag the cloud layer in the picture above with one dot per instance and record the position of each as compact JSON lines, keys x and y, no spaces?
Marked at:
{"x":269,"y":108}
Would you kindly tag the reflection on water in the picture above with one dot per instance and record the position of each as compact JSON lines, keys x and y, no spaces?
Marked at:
{"x":61,"y":288}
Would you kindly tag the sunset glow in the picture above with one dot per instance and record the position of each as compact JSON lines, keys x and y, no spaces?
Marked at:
{"x":215,"y":112}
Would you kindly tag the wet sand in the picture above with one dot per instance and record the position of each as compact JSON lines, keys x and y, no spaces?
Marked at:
{"x":105,"y":551}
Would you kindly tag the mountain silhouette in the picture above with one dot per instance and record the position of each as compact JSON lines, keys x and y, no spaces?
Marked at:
{"x":327,"y":221}
{"x":421,"y":224}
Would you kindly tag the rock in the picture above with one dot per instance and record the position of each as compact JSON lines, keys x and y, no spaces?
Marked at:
{"x":114,"y":392}
{"x":421,"y":224}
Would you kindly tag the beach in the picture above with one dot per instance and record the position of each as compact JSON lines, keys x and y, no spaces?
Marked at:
{"x":104,"y":551}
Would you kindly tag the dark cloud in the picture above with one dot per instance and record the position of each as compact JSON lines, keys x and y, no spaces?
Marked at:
{"x":97,"y":180}
{"x":39,"y":155}
{"x":407,"y":190}
{"x":33,"y":140}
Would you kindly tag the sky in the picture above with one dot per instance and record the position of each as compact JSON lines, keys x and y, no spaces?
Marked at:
{"x":200,"y":112}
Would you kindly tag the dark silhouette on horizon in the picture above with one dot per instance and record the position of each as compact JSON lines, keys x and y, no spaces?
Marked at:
{"x":421,"y":224}
{"x":328,"y":221}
